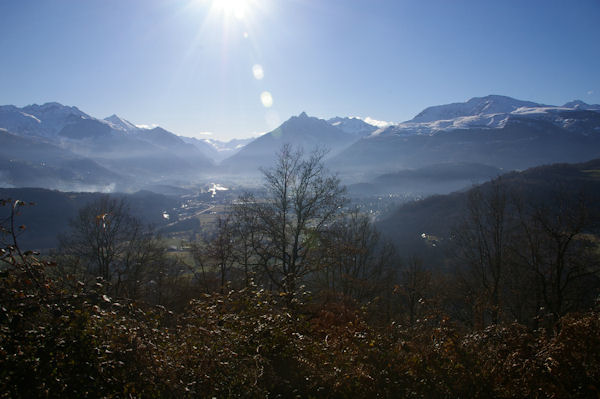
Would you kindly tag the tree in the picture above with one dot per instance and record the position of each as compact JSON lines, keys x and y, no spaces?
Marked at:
{"x":243,"y":222}
{"x":482,"y":243}
{"x":218,"y":252}
{"x":413,"y":288}
{"x":556,"y":251}
{"x":354,"y":259}
{"x":106,"y":241}
{"x":301,"y":200}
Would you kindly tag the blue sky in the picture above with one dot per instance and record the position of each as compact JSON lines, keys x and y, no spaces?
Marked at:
{"x":187,"y":65}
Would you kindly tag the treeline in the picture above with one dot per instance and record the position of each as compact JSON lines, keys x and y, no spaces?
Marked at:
{"x":293,"y":295}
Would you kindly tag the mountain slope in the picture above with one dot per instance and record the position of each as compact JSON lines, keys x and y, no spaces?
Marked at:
{"x":492,"y":104}
{"x":143,"y":155}
{"x":432,"y":179}
{"x":438,"y":215}
{"x":301,"y":131}
{"x":524,"y":137}
{"x":26,"y":162}
{"x":119,"y":123}
{"x":168,"y":141}
{"x":354,"y":126}
{"x":52,"y":211}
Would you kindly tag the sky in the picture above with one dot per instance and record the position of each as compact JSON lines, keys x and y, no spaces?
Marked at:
{"x":238,"y":68}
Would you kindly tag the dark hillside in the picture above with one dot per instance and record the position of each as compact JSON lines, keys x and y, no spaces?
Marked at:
{"x":436,"y":216}
{"x":52,"y":210}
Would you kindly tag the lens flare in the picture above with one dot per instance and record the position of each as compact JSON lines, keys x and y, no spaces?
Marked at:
{"x":258,"y":72}
{"x":266,"y":99}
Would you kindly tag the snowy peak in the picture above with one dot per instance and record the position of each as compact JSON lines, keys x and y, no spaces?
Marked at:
{"x":44,"y":120}
{"x":354,"y":126}
{"x":231,"y":145}
{"x":492,"y":104}
{"x":53,"y":109}
{"x":494,"y":112}
{"x":53,"y":114}
{"x":578,"y":104}
{"x":119,"y":123}
{"x":302,"y":129}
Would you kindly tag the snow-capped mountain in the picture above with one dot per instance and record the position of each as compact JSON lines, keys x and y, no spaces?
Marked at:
{"x":301,"y":131}
{"x":232,"y":145}
{"x":491,"y":112}
{"x":578,"y":104}
{"x":39,"y":120}
{"x":119,"y":123}
{"x":218,"y":150}
{"x":134,"y":154}
{"x":495,"y":130}
{"x":354,"y":126}
{"x":492,"y":104}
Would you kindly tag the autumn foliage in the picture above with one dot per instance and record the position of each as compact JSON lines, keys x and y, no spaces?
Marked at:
{"x":253,"y":343}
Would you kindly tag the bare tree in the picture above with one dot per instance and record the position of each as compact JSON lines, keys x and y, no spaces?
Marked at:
{"x":245,"y":235}
{"x":413,"y":288}
{"x":354,"y":259}
{"x":301,"y":201}
{"x":106,"y":241}
{"x":557,"y":254}
{"x":483,"y":248}
{"x":215,"y":257}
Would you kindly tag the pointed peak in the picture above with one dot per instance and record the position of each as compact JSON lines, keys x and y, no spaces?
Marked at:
{"x":303,"y":115}
{"x":120,"y":123}
{"x":580,"y":105}
{"x":575,"y":104}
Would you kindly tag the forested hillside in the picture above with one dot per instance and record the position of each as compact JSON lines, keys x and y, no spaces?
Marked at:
{"x":294,"y":294}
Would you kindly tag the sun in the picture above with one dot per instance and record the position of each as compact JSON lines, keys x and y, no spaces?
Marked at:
{"x":235,"y":8}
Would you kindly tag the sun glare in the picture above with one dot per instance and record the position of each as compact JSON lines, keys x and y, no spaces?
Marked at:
{"x":236,"y":8}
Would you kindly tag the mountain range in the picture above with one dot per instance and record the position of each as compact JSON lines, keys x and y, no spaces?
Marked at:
{"x":58,"y":146}
{"x":494,"y":130}
{"x":301,"y":131}
{"x":52,"y":139}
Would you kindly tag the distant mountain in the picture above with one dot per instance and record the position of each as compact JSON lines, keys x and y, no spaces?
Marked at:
{"x":119,"y":123}
{"x":578,"y":104}
{"x":492,"y":104}
{"x":226,"y":149}
{"x":38,"y":120}
{"x":86,"y":128}
{"x":138,"y":156}
{"x":302,"y":131}
{"x":354,"y":126}
{"x":168,"y":141}
{"x":515,"y":135}
{"x":217,"y":150}
{"x":27,"y":162}
{"x":498,"y":131}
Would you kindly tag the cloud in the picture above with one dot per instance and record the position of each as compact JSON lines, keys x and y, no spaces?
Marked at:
{"x":590,"y":92}
{"x":150,"y":126}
